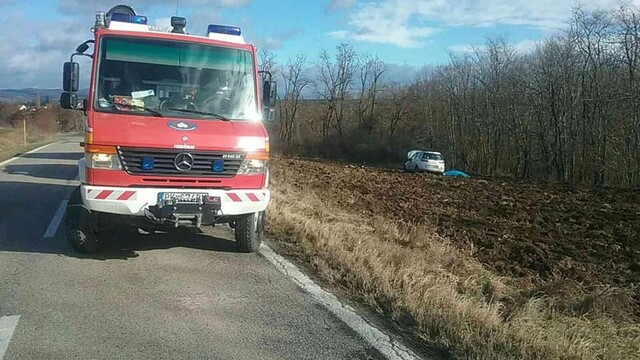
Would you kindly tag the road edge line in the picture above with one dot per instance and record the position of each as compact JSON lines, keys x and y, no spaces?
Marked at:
{"x":54,"y":224}
{"x":392,"y":349}
{"x":8,"y":325}
{"x":3,"y":163}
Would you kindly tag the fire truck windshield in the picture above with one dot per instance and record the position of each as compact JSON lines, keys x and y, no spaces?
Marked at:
{"x":139,"y":76}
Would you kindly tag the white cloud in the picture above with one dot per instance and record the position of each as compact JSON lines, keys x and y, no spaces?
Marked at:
{"x":231,"y":3}
{"x":340,"y":4}
{"x":386,"y":22}
{"x":339,"y":34}
{"x":275,"y":41}
{"x":33,"y":55}
{"x":408,"y":23}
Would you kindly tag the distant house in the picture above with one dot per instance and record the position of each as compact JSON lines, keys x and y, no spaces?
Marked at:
{"x":23,"y":107}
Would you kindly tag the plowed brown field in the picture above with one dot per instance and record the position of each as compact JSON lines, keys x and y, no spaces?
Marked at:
{"x":487,"y":268}
{"x":518,"y":229}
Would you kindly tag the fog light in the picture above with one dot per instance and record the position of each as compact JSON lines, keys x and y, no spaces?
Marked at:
{"x":148,"y":163}
{"x":218,"y":165}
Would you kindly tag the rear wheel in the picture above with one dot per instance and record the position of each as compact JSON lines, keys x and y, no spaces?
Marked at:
{"x":249,"y":231}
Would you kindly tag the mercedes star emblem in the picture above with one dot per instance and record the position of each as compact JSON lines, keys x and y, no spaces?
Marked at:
{"x":183,"y":162}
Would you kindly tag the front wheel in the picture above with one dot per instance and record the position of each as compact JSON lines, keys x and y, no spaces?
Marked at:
{"x":81,"y":227}
{"x":249,"y":231}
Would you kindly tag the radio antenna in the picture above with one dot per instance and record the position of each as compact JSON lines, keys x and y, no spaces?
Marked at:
{"x":177,"y":6}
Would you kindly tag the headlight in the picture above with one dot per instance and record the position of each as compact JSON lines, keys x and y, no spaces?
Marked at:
{"x":252,"y":167}
{"x":103,"y":161}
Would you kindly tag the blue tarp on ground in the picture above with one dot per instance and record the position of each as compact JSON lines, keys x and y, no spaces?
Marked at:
{"x":457,"y":173}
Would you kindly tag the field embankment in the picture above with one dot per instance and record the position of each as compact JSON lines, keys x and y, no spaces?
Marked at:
{"x":488,"y":270}
{"x":12,"y":142}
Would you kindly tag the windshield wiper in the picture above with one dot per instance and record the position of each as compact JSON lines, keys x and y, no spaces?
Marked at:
{"x":205,"y":113}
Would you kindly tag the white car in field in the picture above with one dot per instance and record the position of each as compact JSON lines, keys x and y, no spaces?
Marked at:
{"x":422,"y":160}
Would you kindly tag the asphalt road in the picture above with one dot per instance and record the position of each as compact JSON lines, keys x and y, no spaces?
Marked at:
{"x":185,"y":296}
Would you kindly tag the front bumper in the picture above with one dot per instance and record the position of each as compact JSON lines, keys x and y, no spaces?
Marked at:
{"x":134,"y":201}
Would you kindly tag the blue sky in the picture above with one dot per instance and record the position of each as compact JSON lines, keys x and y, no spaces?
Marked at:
{"x":407,"y":34}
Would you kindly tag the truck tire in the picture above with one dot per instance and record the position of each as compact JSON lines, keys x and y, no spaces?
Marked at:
{"x":81,"y":226}
{"x":249,"y":231}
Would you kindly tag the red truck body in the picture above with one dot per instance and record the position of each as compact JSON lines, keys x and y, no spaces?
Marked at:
{"x":159,"y":156}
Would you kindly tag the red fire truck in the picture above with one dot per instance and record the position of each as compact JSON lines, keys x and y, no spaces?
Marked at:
{"x":174,"y":131}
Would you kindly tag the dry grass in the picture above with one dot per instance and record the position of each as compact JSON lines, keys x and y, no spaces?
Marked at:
{"x":12,"y":141}
{"x":441,"y":292}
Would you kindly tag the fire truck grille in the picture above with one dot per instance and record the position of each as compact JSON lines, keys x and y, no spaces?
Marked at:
{"x":169,"y":162}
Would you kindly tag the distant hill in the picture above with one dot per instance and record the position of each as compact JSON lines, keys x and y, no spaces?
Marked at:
{"x":29,"y":94}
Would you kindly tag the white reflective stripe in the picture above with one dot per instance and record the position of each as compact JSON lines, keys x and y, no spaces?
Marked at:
{"x":95,"y":194}
{"x":246,"y":196}
{"x":115,"y":195}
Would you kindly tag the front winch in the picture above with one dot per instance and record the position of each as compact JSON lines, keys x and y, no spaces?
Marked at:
{"x":185,"y":209}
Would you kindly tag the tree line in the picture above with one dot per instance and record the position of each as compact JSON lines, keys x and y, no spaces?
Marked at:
{"x":566,"y":111}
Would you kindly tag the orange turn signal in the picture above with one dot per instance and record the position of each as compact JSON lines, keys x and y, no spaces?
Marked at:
{"x":101,"y":149}
{"x":257,"y":156}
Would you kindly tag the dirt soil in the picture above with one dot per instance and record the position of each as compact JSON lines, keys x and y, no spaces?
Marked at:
{"x":532,"y":231}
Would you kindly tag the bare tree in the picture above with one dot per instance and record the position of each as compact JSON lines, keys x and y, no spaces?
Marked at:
{"x":267,"y":60}
{"x":294,"y":82}
{"x":399,"y":101}
{"x":335,"y":80}
{"x":369,"y":77}
{"x":629,"y":34}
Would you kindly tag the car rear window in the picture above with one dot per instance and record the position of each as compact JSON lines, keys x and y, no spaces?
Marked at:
{"x":429,"y":156}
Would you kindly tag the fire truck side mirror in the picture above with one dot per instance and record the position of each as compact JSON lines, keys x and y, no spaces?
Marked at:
{"x":269,"y":97}
{"x":70,"y":76}
{"x":69,"y":100}
{"x":269,"y":94}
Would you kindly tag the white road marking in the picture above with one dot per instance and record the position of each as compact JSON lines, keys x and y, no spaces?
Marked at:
{"x":28,"y":152}
{"x":389,"y":347}
{"x":3,"y":163}
{"x":7,"y":326}
{"x":55,"y":222}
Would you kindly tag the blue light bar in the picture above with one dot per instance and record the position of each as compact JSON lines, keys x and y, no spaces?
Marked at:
{"x":222,"y":29}
{"x":148,"y":163}
{"x":134,"y":19}
{"x":218,"y":165}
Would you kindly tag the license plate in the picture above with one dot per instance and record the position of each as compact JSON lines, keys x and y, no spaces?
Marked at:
{"x":182,"y":198}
